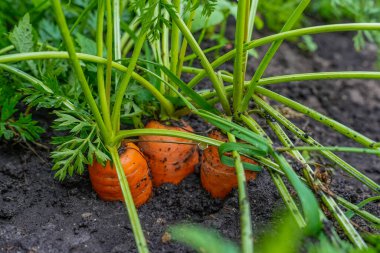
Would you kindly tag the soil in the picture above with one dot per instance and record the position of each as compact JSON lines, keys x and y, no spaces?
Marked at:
{"x":40,"y":214}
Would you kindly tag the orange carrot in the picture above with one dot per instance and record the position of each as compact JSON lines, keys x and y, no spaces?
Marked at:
{"x":217,"y":178}
{"x":105,"y":182}
{"x":169,"y":162}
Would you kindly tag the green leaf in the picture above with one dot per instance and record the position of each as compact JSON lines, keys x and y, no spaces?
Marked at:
{"x":309,"y":202}
{"x":286,"y":234}
{"x":101,"y":157}
{"x":259,"y":23}
{"x":209,"y":7}
{"x":23,"y":127}
{"x":22,"y":37}
{"x":201,"y":239}
{"x":27,"y":127}
{"x":49,"y":31}
{"x":87,"y":46}
{"x":80,"y":145}
{"x":139,"y":95}
{"x":243,"y":149}
{"x":81,"y":125}
{"x":308,"y":44}
{"x":8,"y":134}
{"x":214,"y":16}
{"x":8,"y":108}
{"x":61,"y":154}
{"x":202,"y":22}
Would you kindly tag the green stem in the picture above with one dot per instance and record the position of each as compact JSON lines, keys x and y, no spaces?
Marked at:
{"x":297,"y":77}
{"x":117,"y":35}
{"x":100,"y":68}
{"x":335,"y":149}
{"x":129,"y":44}
{"x":91,"y":58}
{"x":345,"y":223}
{"x":270,"y":53}
{"x":293,"y":78}
{"x":204,"y":61}
{"x":40,"y":44}
{"x":175,"y":40}
{"x":320,"y":76}
{"x":252,"y":16}
{"x":123,"y":134}
{"x":239,"y":62}
{"x":336,"y":126}
{"x":129,"y":204}
{"x":6,"y":49}
{"x":156,"y":48}
{"x":184,"y":42}
{"x":109,"y":43}
{"x":245,"y":211}
{"x":285,"y":35}
{"x":362,"y":213}
{"x":165,"y":42}
{"x":250,"y":19}
{"x":206,"y":50}
{"x":309,"y":140}
{"x":78,"y":69}
{"x":157,"y":52}
{"x":128,"y":39}
{"x":125,"y":81}
{"x":288,"y":199}
{"x":351,"y":214}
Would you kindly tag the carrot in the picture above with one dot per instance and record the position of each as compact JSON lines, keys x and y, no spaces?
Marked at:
{"x":105,"y":182}
{"x":217,"y":178}
{"x":169,"y":162}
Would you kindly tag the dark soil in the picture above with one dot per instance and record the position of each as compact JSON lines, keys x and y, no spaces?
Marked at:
{"x":40,"y":214}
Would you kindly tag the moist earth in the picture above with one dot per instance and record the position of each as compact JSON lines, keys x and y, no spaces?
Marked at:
{"x":40,"y":214}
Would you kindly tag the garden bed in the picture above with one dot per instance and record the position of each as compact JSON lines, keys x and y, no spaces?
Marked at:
{"x":40,"y":214}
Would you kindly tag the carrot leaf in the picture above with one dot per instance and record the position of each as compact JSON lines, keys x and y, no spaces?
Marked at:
{"x":79,"y":146}
{"x":243,"y":149}
{"x":309,"y":202}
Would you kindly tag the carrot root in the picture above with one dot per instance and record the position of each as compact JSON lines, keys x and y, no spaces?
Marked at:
{"x":105,"y":182}
{"x":169,"y":162}
{"x":217,"y":178}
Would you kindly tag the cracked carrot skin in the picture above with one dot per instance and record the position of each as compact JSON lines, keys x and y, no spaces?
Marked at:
{"x":105,"y":182}
{"x":169,"y":162}
{"x":217,"y":178}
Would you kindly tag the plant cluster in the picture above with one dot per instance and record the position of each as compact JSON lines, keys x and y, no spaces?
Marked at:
{"x":104,"y":66}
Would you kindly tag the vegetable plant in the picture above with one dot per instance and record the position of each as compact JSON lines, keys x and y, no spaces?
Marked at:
{"x":113,"y":79}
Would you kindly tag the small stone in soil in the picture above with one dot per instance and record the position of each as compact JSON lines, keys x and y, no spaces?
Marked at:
{"x":166,"y":237}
